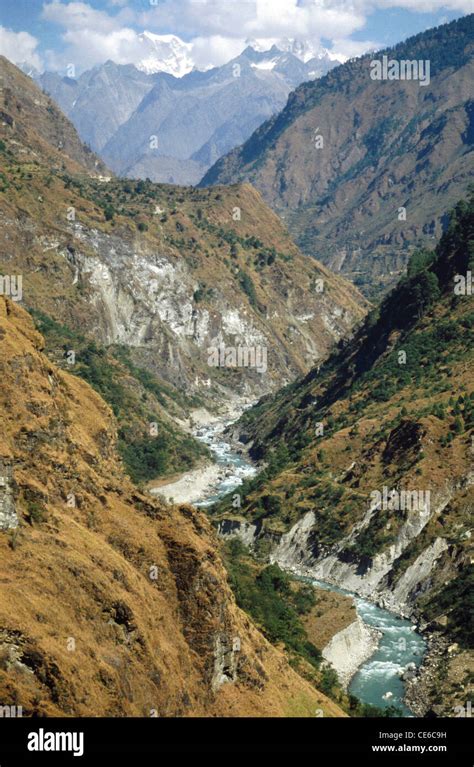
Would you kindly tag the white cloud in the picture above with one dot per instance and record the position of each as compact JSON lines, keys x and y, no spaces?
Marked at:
{"x":216,"y":28}
{"x":206,"y":18}
{"x":258,"y":18}
{"x":428,"y":6}
{"x":215,"y":50}
{"x":78,"y":16}
{"x":307,"y":19}
{"x":19,"y":47}
{"x":347,"y":49}
{"x":276,"y":18}
{"x":91,"y":36}
{"x":88,"y":47}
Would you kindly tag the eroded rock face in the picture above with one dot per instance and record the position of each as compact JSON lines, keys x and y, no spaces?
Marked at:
{"x":226,"y":658}
{"x":8,"y":515}
{"x":230,"y":528}
{"x":411,"y":581}
{"x":144,"y":298}
{"x":379,"y":578}
{"x":349,"y":648}
{"x":294,"y":551}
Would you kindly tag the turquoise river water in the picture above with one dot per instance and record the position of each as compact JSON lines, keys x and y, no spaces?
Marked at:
{"x":378,"y":681}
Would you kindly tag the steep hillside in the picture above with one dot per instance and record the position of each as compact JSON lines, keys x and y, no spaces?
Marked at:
{"x":172,"y":274}
{"x":363,"y":169}
{"x":369,"y":463}
{"x":32,"y":119}
{"x":193,"y":119}
{"x":153,"y":437}
{"x":111,"y":604}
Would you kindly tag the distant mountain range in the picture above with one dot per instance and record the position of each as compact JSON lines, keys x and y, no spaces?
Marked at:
{"x":170,"y":54}
{"x":363,"y":169}
{"x":164,"y":119}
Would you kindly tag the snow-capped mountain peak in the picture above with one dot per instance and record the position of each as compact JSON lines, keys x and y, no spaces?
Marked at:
{"x":304,"y":50}
{"x":165,"y":53}
{"x":171,"y":54}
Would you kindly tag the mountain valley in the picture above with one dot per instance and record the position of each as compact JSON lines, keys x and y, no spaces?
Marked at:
{"x":158,"y":277}
{"x":369,"y":464}
{"x":147,"y":123}
{"x":236,"y":344}
{"x":363,"y":170}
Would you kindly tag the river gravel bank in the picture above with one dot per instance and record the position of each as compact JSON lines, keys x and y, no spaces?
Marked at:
{"x":419,"y":684}
{"x":202,"y":485}
{"x":192,"y":486}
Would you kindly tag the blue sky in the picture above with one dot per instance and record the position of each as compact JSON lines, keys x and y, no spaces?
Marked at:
{"x":52,"y":33}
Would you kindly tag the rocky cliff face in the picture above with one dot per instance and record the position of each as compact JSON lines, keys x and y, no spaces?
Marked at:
{"x":349,"y":648}
{"x":8,"y":515}
{"x":362,"y":169}
{"x":112,"y":604}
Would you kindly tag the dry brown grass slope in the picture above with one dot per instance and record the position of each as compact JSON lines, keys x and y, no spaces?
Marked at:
{"x":36,"y":118}
{"x":84,"y":628}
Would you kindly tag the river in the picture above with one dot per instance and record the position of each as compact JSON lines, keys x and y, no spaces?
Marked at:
{"x":378,"y":681}
{"x":236,"y":467}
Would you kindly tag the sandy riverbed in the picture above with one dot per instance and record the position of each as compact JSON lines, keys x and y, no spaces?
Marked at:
{"x":192,"y":486}
{"x":204,"y":481}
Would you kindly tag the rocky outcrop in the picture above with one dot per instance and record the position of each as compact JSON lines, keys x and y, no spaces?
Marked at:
{"x":235,"y":528}
{"x":410,"y":583}
{"x":350,"y":648}
{"x":226,"y":655}
{"x":8,"y":515}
